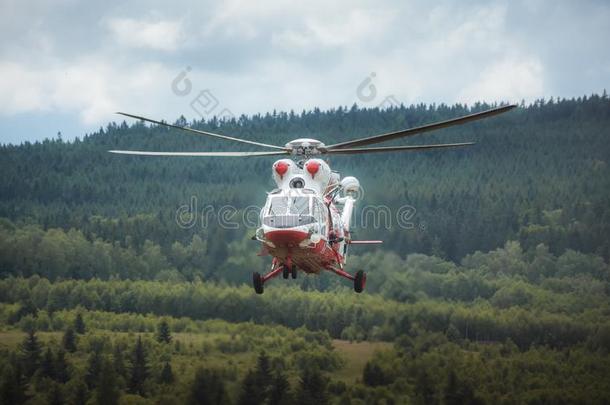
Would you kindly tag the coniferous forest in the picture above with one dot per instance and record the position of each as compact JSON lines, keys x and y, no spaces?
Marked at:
{"x":128,"y":279}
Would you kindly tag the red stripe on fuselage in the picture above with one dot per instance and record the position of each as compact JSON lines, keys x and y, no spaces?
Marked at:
{"x":286,"y":237}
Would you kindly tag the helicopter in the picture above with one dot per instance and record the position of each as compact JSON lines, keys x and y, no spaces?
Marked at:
{"x":305,"y":222}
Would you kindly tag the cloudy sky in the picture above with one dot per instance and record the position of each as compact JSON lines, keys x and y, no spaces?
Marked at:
{"x":67,"y":65}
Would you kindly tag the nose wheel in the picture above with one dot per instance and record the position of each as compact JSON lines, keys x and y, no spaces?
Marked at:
{"x":288,"y":271}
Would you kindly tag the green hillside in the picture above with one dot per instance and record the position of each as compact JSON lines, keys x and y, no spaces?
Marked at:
{"x":496,"y":291}
{"x":537,"y":174}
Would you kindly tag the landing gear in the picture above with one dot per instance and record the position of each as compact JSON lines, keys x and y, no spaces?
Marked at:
{"x":289,"y":271}
{"x":257,"y":280}
{"x":359,"y":281}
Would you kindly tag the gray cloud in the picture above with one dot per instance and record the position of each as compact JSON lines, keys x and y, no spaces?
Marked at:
{"x":81,"y":61}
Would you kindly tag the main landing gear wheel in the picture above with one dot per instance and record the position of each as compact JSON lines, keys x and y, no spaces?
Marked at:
{"x":285,"y":272}
{"x":359,"y":281}
{"x":257,"y":280}
{"x":293,"y":271}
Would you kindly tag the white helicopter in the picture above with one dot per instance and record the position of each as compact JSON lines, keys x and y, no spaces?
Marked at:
{"x":305,"y":223}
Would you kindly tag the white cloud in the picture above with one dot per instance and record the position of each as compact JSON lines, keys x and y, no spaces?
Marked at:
{"x":159,"y":35}
{"x":512,"y":79}
{"x":91,"y":88}
{"x":21,"y":89}
{"x":352,"y":28}
{"x":85,"y":61}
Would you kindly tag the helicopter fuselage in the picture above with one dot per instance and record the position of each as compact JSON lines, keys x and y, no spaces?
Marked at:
{"x":300,"y":228}
{"x":305,"y":222}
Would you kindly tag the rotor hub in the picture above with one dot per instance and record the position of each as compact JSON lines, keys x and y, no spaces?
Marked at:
{"x":306,"y":146}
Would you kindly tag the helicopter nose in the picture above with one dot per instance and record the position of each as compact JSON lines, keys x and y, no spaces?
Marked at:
{"x":286,"y":237}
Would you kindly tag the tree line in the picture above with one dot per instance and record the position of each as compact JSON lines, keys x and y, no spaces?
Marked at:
{"x":538,"y":174}
{"x":341,"y":314}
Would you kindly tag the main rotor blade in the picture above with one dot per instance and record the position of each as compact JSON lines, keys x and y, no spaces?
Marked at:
{"x":397,"y":148}
{"x":424,"y":128}
{"x":207,"y":154}
{"x":197,"y":131}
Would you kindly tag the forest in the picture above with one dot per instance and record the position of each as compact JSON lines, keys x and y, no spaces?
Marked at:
{"x":496,"y":290}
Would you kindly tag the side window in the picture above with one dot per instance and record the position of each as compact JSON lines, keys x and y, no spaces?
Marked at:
{"x":320,"y":216}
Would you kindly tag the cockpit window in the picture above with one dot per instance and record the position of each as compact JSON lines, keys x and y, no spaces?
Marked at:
{"x":278,"y":206}
{"x":299,"y":205}
{"x":288,"y":211}
{"x":289,"y":206}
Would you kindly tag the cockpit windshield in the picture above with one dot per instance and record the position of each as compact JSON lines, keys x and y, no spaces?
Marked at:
{"x":299,"y":205}
{"x":284,"y":211}
{"x":278,"y":206}
{"x":283,"y":205}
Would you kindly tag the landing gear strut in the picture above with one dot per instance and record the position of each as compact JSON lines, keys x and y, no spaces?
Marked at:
{"x":286,"y":269}
{"x":359,"y":279}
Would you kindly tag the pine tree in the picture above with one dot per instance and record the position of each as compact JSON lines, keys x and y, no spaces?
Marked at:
{"x":251,"y":393}
{"x":119,"y":364}
{"x":207,"y":389}
{"x":373,"y":375}
{"x":312,"y":389}
{"x":280,"y":390}
{"x":62,"y":371}
{"x":47,"y":365}
{"x":451,"y":394}
{"x":163,"y":332}
{"x":139,"y":369}
{"x":79,"y":324}
{"x":263,"y":374}
{"x":167,"y":375}
{"x":30,"y":350}
{"x":107,"y":392}
{"x":55,"y":395}
{"x":459,"y":392}
{"x":80,"y":394}
{"x":424,"y":389}
{"x":453,"y":334}
{"x":12,"y":386}
{"x":69,"y":340}
{"x":94,"y":366}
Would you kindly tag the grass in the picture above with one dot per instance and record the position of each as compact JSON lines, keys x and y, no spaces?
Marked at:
{"x":12,"y":339}
{"x":356,"y":354}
